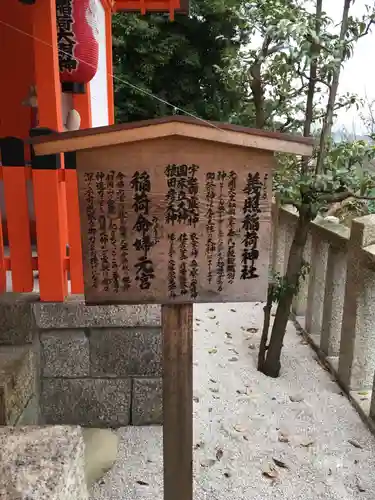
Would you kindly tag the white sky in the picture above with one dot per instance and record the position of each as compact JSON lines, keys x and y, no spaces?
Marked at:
{"x":358,"y":75}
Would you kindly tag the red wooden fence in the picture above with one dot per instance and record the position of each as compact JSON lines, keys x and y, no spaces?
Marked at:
{"x":58,"y":241}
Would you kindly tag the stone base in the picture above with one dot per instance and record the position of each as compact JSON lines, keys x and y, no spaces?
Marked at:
{"x":42,"y":463}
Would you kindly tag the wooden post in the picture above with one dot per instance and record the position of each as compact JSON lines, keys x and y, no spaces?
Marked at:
{"x":177,"y":329}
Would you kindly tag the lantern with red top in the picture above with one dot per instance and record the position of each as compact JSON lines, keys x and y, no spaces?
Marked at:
{"x":78,"y":42}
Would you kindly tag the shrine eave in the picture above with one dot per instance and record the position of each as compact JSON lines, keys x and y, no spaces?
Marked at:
{"x":172,"y":126}
{"x":144,"y":6}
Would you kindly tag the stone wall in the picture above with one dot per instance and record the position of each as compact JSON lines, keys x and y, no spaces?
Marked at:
{"x":100,"y":366}
{"x":97,"y":366}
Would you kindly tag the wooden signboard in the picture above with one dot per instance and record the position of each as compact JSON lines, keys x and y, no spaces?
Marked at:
{"x":169,"y":232}
{"x":174,"y":211}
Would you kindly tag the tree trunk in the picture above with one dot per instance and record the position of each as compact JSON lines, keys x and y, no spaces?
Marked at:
{"x":328,"y":119}
{"x":266,"y":326}
{"x":272,"y":364}
{"x":258,"y":94}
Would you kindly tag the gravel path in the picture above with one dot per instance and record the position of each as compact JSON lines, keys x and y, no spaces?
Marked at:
{"x":243,"y":420}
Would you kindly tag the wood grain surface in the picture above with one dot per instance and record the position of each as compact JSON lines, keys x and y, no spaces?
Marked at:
{"x":108,"y":179}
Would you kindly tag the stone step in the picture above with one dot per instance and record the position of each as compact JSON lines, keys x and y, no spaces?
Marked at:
{"x":18,"y":371}
{"x":42,"y":463}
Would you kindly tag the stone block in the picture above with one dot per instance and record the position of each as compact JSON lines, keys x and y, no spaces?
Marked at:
{"x":147,"y":404}
{"x":73,"y":313}
{"x":65,"y":353}
{"x":357,"y":346}
{"x":317,"y":284}
{"x":42,"y":463}
{"x":17,"y":381}
{"x":17,"y":322}
{"x":87,"y":402}
{"x":124,"y":352}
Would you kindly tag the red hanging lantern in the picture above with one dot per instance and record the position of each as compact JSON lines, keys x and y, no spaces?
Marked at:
{"x":78,"y":42}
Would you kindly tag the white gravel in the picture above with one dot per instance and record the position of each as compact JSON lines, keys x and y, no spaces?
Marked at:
{"x":244,"y":420}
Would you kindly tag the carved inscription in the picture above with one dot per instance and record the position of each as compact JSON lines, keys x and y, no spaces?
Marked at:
{"x":187,"y":234}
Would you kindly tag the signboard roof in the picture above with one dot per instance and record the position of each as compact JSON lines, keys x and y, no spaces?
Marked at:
{"x":172,"y":126}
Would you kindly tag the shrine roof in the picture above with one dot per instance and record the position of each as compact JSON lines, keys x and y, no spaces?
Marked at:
{"x":172,"y":126}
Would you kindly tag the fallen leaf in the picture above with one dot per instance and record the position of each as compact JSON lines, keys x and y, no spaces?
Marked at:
{"x":307,"y":443}
{"x":269,"y":470}
{"x":214,"y":389}
{"x":212,"y":351}
{"x":209,"y":410}
{"x":219,"y":454}
{"x":283,"y":437}
{"x":208,"y":462}
{"x":360,"y":486}
{"x":363,"y":393}
{"x":233,"y":350}
{"x":215,"y":396}
{"x":195,"y":399}
{"x":233,"y":310}
{"x":142,"y":483}
{"x":229,"y":335}
{"x":252,"y":330}
{"x":239,"y":428}
{"x":234,"y":358}
{"x":252,"y":346}
{"x":217,"y":323}
{"x":355,"y":443}
{"x":296,"y":398}
{"x":280,"y":463}
{"x":227,"y":474}
{"x":211,"y":309}
{"x":213,"y":380}
{"x":211,"y":317}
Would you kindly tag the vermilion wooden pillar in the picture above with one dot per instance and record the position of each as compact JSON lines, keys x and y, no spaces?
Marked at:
{"x":49,"y":191}
{"x":109,"y":61}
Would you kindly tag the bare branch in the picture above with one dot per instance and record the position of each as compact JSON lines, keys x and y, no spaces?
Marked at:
{"x":315,"y":79}
{"x":366,"y":32}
